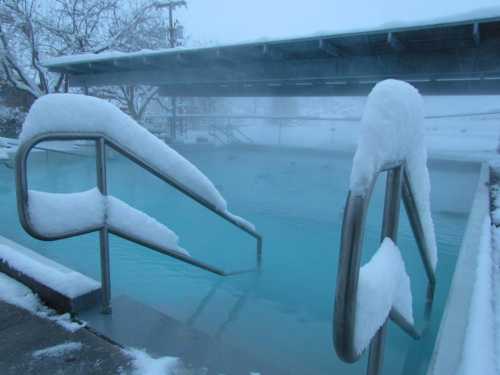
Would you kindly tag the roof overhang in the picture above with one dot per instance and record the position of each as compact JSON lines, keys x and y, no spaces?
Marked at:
{"x":447,"y":58}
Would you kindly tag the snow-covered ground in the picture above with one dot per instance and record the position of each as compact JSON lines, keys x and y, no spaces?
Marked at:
{"x":19,"y":295}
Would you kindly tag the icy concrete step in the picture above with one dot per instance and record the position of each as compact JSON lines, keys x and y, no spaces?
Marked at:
{"x":134,"y":324}
{"x":59,"y":287}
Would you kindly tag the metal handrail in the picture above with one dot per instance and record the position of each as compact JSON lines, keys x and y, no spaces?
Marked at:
{"x":102,"y":140}
{"x":397,"y":186}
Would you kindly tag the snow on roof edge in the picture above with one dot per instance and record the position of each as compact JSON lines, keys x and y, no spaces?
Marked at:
{"x":480,"y":15}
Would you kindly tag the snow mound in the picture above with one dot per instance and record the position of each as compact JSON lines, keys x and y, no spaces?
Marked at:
{"x":383,"y":285}
{"x":86,"y":114}
{"x":393,"y":131}
{"x":54,"y":214}
{"x":144,"y":364}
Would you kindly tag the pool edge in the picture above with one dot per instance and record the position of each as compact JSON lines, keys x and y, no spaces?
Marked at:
{"x":448,"y":348}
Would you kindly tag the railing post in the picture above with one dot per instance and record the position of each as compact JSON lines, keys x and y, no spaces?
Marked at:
{"x":103,"y":232}
{"x":389,"y":229}
{"x":173,"y":133}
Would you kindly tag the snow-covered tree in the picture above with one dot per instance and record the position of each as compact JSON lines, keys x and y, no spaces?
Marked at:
{"x":34,"y":30}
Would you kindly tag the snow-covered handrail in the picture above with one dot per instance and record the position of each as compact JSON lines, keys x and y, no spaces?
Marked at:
{"x":101,"y":141}
{"x":390,"y":107}
{"x":155,"y":157}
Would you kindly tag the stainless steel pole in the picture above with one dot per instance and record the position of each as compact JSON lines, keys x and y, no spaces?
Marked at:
{"x":389,"y":229}
{"x":103,"y":232}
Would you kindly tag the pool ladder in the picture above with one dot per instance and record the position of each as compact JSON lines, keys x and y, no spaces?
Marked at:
{"x":101,"y":141}
{"x":397,"y":186}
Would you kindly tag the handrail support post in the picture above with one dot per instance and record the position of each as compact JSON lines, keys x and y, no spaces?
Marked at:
{"x":103,"y":232}
{"x":390,"y":226}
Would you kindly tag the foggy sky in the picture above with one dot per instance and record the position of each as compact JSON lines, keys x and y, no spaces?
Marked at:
{"x":229,"y":21}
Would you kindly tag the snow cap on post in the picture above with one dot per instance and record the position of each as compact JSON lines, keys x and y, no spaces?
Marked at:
{"x":393,"y":132}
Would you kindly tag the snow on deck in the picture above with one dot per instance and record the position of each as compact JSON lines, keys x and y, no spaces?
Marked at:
{"x":83,"y":347}
{"x":144,"y":364}
{"x":58,"y":350}
{"x":19,"y":295}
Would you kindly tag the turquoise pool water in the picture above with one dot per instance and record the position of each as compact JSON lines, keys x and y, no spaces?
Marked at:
{"x":283,"y":314}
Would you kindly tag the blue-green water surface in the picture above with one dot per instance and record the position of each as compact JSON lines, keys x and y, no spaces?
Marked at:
{"x":295,"y":198}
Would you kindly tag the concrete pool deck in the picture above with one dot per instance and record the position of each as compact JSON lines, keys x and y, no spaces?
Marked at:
{"x":22,"y":334}
{"x":33,"y":344}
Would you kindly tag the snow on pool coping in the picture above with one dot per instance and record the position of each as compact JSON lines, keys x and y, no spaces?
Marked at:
{"x":481,"y":321}
{"x":86,"y":114}
{"x":47,"y":272}
{"x":481,"y":340}
{"x":393,"y":132}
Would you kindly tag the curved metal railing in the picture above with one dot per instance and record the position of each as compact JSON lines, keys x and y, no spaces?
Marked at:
{"x":101,"y":141}
{"x":397,"y":186}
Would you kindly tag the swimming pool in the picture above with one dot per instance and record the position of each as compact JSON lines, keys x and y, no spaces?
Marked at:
{"x":283,"y":314}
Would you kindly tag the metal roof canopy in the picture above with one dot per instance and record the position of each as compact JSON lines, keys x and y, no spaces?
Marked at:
{"x":451,"y":58}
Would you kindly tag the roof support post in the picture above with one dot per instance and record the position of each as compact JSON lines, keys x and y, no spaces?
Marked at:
{"x":328,"y":48}
{"x":394,"y":42}
{"x":476,"y":34}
